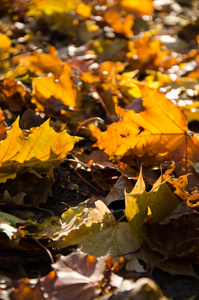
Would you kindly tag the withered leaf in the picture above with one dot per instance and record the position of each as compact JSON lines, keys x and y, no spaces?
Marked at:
{"x":13,"y":95}
{"x":76,"y":275}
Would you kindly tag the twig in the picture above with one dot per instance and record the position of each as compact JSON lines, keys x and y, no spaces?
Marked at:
{"x":20,"y":53}
{"x":48,"y":251}
{"x":95,"y":90}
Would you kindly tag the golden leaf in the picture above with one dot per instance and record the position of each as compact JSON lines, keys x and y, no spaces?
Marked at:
{"x":41,"y":149}
{"x":60,"y":88}
{"x":51,"y":6}
{"x":158,"y":129}
{"x":159,"y":202}
{"x":144,"y":7}
{"x":40,"y":63}
{"x":5,"y":42}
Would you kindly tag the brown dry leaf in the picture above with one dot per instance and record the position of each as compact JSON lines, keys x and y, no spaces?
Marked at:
{"x":81,"y":276}
{"x":76,"y":275}
{"x":158,"y":130}
{"x":177,"y":237}
{"x":173,"y":266}
{"x":29,"y":189}
{"x":178,"y":186}
{"x":3,"y":126}
{"x":60,"y":89}
{"x":41,"y":149}
{"x":13,"y":95}
{"x":117,"y":191}
{"x":25,"y":289}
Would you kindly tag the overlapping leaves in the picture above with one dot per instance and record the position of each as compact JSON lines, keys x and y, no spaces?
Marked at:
{"x":98,"y":48}
{"x":158,"y":129}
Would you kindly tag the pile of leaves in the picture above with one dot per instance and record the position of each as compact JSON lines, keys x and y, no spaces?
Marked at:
{"x":107,"y":90}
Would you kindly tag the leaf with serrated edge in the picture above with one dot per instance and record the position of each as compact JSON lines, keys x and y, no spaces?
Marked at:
{"x":42,"y":149}
{"x":161,"y":201}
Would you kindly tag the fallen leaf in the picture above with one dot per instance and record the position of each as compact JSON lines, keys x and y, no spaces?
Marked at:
{"x":160,"y":200}
{"x":8,"y":218}
{"x":41,"y":149}
{"x":76,"y":275}
{"x":117,"y":191}
{"x":145,"y":7}
{"x":61,"y":89}
{"x":13,"y":95}
{"x":3,"y":126}
{"x":152,"y":131}
{"x":27,"y":290}
{"x":121,"y":24}
{"x":39,"y":63}
{"x":52,"y":6}
{"x":29,"y":188}
{"x":94,"y":230}
{"x":5,"y":42}
{"x":176,"y":238}
{"x":173,"y":266}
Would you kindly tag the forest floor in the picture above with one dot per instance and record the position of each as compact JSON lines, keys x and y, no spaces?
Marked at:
{"x":99,"y":70}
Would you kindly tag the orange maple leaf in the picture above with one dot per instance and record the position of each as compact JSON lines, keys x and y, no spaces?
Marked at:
{"x":159,"y":129}
{"x":60,"y":88}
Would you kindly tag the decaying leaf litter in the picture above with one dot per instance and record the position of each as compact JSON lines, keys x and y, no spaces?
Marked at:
{"x":99,"y":149}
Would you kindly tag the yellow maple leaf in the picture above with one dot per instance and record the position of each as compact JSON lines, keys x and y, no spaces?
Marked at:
{"x":41,"y":149}
{"x":5,"y":42}
{"x":95,"y":230}
{"x":39,"y":63}
{"x":60,"y":88}
{"x":51,"y":6}
{"x":160,"y":200}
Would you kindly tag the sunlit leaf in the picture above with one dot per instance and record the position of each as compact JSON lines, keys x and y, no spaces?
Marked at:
{"x":60,"y":88}
{"x":39,"y":63}
{"x":95,"y":230}
{"x":161,"y":201}
{"x":120,"y":24}
{"x":79,"y":222}
{"x":144,"y":49}
{"x":159,"y":128}
{"x":52,"y":6}
{"x":137,"y":203}
{"x":144,"y":7}
{"x":39,"y":149}
{"x":5,"y":42}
